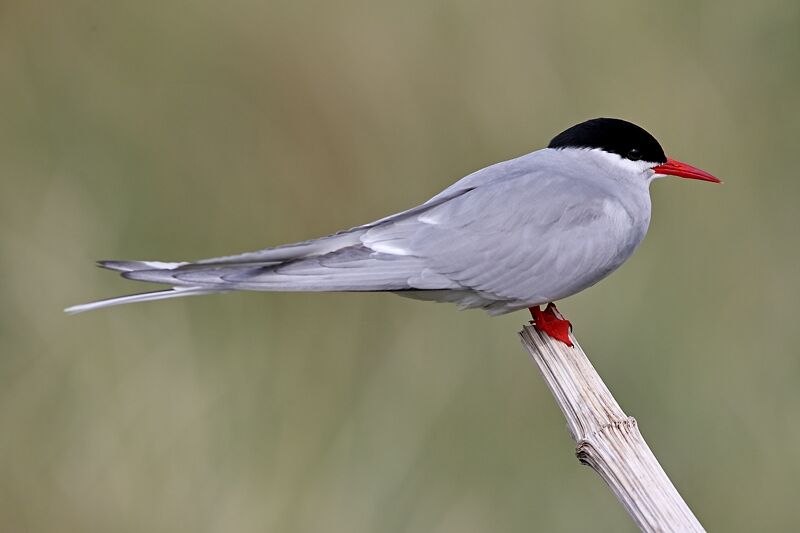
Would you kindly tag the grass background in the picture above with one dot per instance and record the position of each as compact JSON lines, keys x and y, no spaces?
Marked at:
{"x":176,"y":130}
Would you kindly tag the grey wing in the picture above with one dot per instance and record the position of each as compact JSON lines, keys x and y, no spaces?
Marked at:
{"x":353,"y":268}
{"x":336,"y":262}
{"x":315,"y":247}
{"x":339,"y":262}
{"x":340,"y":249}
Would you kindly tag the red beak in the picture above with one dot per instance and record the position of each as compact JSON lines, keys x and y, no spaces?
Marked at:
{"x":676,"y":168}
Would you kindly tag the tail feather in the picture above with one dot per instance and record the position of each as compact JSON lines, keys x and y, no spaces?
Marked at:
{"x":174,"y":292}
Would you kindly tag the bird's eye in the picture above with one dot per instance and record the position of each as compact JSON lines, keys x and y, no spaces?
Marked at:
{"x":634,"y":154}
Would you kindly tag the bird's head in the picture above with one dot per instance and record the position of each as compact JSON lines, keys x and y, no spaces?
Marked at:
{"x":631,"y":143}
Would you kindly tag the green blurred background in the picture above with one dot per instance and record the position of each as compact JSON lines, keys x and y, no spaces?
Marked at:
{"x":178,"y":130}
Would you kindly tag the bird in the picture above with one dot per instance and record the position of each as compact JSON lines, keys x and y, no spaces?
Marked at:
{"x":515,"y":235}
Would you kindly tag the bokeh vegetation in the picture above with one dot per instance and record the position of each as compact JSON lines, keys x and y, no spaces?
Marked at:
{"x":175,"y":130}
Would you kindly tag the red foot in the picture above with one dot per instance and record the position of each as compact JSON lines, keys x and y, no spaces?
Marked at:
{"x":551,"y":322}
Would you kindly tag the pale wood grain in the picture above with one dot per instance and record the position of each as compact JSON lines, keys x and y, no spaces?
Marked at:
{"x":607,"y":439}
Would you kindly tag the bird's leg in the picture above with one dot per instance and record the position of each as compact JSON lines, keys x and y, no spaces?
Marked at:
{"x":551,"y":323}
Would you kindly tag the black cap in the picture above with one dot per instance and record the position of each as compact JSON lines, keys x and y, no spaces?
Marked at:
{"x":614,"y":136}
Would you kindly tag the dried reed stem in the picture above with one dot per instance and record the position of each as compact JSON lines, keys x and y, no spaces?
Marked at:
{"x":607,"y":439}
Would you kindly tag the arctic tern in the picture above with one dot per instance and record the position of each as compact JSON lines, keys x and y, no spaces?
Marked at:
{"x":514,"y":235}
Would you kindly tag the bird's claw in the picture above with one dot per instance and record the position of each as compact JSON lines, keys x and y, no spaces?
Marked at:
{"x":551,"y":323}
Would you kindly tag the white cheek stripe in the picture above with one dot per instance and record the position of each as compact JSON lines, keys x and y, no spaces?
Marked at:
{"x":627,"y":164}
